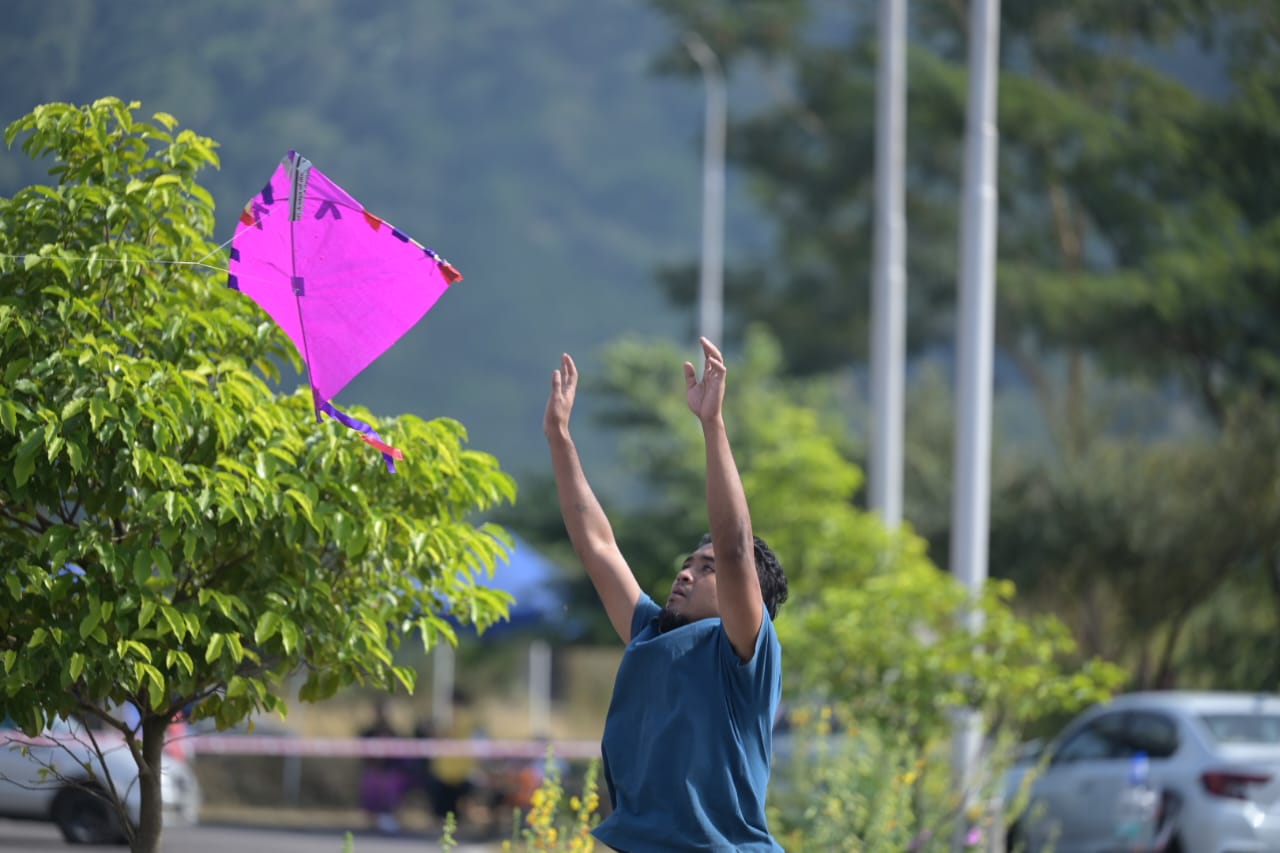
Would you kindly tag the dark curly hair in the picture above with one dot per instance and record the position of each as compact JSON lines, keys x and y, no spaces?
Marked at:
{"x":773,"y":580}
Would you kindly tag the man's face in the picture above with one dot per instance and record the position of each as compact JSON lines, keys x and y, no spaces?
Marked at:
{"x":693,"y":595}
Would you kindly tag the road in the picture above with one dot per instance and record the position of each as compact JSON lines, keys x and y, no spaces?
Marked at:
{"x":22,"y":837}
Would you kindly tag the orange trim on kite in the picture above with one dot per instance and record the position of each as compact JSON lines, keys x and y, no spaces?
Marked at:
{"x":451,"y":273}
{"x":382,"y":446}
{"x":374,"y":222}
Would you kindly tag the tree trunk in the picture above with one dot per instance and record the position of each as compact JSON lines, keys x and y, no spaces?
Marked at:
{"x":147,"y":837}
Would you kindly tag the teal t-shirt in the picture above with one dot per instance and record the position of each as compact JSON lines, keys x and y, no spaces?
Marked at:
{"x":688,"y":739}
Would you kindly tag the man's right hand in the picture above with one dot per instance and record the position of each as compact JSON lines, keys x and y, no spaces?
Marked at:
{"x":564,"y":385}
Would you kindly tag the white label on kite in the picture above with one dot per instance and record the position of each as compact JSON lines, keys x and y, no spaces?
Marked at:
{"x":300,"y":169}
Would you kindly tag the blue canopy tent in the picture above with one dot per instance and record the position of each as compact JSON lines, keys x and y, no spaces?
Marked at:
{"x":534,"y":582}
{"x":539,"y":608}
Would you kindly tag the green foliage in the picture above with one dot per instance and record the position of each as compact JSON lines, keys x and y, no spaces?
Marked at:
{"x":1138,"y":209}
{"x":864,"y":790}
{"x":889,"y":647}
{"x":1163,"y":520}
{"x":221,"y":539}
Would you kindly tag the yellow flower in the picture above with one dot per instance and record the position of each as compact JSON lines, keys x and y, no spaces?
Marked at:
{"x":834,"y":807}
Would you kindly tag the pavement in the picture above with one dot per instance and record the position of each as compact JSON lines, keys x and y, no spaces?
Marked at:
{"x":32,"y":837}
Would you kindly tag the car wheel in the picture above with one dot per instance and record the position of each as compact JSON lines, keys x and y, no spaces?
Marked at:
{"x":85,"y":818}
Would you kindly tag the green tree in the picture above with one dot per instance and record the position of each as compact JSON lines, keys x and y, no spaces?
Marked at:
{"x":174,"y":532}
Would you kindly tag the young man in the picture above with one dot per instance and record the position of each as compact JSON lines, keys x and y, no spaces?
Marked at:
{"x":688,"y":736}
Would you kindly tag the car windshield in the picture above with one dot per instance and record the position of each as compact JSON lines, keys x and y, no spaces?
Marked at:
{"x":1244,"y":728}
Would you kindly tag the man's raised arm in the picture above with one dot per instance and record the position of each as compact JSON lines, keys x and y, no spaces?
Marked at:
{"x":737,"y":584}
{"x":584,"y":519}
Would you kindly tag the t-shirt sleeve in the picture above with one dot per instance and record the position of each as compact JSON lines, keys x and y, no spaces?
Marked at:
{"x":646,"y":611}
{"x":766,"y":657}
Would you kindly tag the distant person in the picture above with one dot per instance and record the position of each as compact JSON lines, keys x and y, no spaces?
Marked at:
{"x":383,"y":780}
{"x":418,"y":771}
{"x":687,"y":739}
{"x":453,"y":778}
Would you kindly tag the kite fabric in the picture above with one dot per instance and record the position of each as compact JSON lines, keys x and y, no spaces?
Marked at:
{"x":341,"y":283}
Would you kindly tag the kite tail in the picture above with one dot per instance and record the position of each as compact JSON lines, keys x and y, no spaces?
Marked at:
{"x":389,"y":453}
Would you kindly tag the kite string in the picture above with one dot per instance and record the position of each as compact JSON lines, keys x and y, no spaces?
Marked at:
{"x":199,"y":262}
{"x":121,"y":261}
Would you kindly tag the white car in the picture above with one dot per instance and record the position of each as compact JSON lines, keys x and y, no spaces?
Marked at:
{"x":1214,"y":758}
{"x":46,"y":779}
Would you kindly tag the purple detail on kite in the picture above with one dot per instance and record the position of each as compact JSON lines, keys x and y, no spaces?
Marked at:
{"x":364,"y":291}
{"x":299,"y":286}
{"x":235,"y":253}
{"x":258,"y":212}
{"x":400,"y":235}
{"x":357,"y":425}
{"x":328,"y":209}
{"x":232,"y":282}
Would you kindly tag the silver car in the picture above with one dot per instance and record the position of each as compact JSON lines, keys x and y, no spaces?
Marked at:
{"x":1213,"y":757}
{"x":45,"y":779}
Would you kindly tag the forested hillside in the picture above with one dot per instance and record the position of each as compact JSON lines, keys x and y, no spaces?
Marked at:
{"x":529,"y":144}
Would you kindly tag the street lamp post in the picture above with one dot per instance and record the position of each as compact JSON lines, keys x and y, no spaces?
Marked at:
{"x":971,"y":495}
{"x":711,"y":278}
{"x":889,"y":296}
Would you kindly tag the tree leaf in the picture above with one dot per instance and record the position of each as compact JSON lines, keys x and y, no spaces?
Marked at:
{"x":90,"y":623}
{"x":73,"y":408}
{"x":8,"y":415}
{"x":214,"y":650}
{"x":24,"y":463}
{"x":290,"y":636}
{"x":180,"y":658}
{"x":173,"y":618}
{"x":268,"y":624}
{"x":146,"y":612}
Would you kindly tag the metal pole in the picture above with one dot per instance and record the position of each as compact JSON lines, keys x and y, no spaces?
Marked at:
{"x":540,"y":689}
{"x":711,"y":279}
{"x":442,"y":676}
{"x":970,"y":511}
{"x":889,"y":299}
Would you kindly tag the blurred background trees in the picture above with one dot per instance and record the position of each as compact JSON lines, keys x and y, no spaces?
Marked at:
{"x":1138,"y":287}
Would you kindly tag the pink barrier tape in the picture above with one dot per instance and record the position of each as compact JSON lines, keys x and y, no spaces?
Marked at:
{"x":396,"y":747}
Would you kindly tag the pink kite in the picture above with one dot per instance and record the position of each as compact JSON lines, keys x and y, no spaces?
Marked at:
{"x":343,"y":284}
